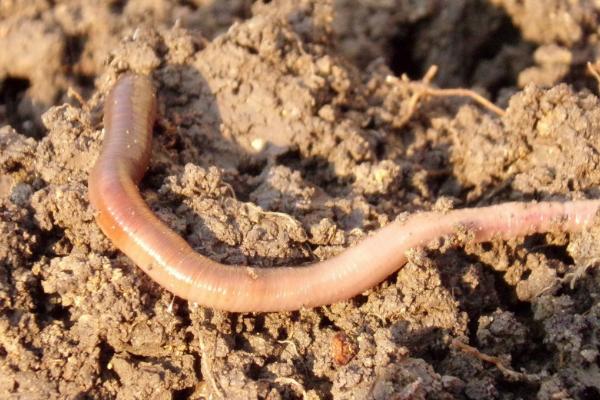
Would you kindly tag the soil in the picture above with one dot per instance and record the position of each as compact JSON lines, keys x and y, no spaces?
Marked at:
{"x":282,"y":139}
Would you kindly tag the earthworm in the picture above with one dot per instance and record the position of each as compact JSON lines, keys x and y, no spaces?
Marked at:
{"x":127,"y":220}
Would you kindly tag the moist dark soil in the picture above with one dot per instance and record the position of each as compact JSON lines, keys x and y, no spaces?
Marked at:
{"x":287,"y":131}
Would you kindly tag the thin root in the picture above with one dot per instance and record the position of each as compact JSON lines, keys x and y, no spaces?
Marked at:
{"x":579,"y":272}
{"x":423,"y":88}
{"x":77,"y":96}
{"x":594,"y":71}
{"x":231,"y":190}
{"x":506,"y":371}
{"x":292,"y":345}
{"x":170,"y":306}
{"x":291,"y":382}
{"x":461,"y":92}
{"x":207,"y":369}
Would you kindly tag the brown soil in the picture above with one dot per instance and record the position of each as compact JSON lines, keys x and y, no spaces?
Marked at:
{"x":282,"y":140}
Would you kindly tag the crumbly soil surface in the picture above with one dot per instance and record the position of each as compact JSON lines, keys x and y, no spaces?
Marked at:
{"x":283,"y":138}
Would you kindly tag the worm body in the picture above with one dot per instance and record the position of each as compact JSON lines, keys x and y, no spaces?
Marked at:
{"x":125,"y":218}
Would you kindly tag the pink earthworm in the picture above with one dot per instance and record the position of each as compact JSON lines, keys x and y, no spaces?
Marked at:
{"x":127,"y":220}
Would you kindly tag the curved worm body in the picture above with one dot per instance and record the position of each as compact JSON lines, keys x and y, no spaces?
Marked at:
{"x":125,"y":218}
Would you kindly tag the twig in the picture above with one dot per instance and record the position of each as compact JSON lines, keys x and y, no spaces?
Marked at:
{"x":506,"y":371}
